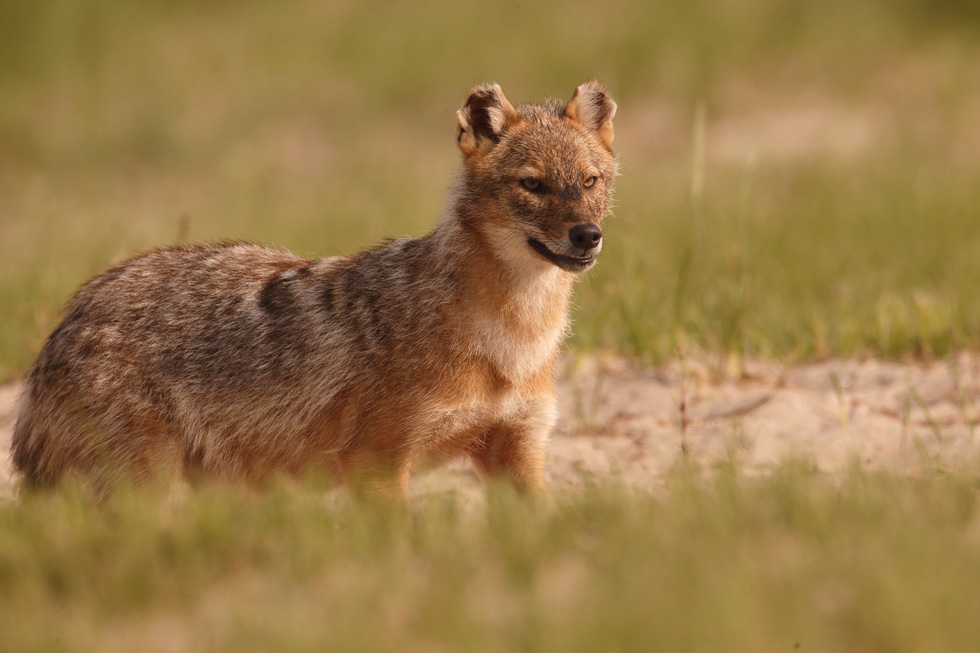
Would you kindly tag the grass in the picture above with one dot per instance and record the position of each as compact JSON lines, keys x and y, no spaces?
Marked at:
{"x":833,"y":210}
{"x":792,"y":562}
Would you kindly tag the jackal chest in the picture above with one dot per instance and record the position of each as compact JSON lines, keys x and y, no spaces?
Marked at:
{"x":452,"y":427}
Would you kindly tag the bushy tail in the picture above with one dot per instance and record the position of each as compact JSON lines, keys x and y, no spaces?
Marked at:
{"x":27,"y":448}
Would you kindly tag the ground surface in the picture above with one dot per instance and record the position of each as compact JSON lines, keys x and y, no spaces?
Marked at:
{"x":625,"y":423}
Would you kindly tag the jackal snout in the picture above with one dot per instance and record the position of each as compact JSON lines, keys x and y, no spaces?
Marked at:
{"x":587,"y":237}
{"x":574,"y":250}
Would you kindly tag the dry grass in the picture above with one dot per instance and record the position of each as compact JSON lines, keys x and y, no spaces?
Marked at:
{"x":874,"y":563}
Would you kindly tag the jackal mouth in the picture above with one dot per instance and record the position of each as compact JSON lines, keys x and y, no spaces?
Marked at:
{"x":569,"y":263}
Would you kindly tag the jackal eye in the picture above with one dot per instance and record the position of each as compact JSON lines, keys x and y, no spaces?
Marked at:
{"x":590,"y":182}
{"x":531,"y":184}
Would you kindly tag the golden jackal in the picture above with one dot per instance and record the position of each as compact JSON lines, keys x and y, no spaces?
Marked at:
{"x":239,"y":362}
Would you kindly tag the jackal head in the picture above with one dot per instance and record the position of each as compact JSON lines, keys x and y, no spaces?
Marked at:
{"x":538,"y":179}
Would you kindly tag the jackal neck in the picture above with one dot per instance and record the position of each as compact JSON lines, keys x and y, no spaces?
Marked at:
{"x":516,"y":316}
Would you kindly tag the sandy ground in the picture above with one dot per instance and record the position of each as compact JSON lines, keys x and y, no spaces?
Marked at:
{"x":634,"y":425}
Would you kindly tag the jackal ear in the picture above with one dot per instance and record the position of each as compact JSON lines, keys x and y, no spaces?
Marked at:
{"x":484,"y":118}
{"x":593,"y":108}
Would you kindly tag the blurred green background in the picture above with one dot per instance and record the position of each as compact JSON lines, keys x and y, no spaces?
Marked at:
{"x":799,"y":179}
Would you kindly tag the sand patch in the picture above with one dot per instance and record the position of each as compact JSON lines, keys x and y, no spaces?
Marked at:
{"x":624,"y":423}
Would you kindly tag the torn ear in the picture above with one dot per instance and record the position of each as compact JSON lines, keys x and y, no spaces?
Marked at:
{"x":484,"y":118}
{"x":593,"y":108}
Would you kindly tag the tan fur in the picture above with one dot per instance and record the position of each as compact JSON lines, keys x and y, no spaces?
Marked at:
{"x":239,"y":362}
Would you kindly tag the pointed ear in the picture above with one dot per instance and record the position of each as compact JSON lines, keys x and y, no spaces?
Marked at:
{"x":593,"y":108}
{"x":484,"y":118}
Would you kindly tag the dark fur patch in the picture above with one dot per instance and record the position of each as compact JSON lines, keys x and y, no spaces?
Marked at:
{"x":52,"y":367}
{"x":328,"y":297}
{"x":28,"y":461}
{"x":479,"y":104}
{"x":351,"y":280}
{"x":302,"y":273}
{"x":74,"y":316}
{"x":276,"y":296}
{"x":379,"y":330}
{"x":570,"y":193}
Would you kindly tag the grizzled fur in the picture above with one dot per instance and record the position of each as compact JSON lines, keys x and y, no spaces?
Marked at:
{"x":239,"y":362}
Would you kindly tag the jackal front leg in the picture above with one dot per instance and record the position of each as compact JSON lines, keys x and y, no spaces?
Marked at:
{"x":378,"y":476}
{"x":516,"y":449}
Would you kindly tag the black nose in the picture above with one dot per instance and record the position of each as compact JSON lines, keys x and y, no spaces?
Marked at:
{"x":585,"y":236}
